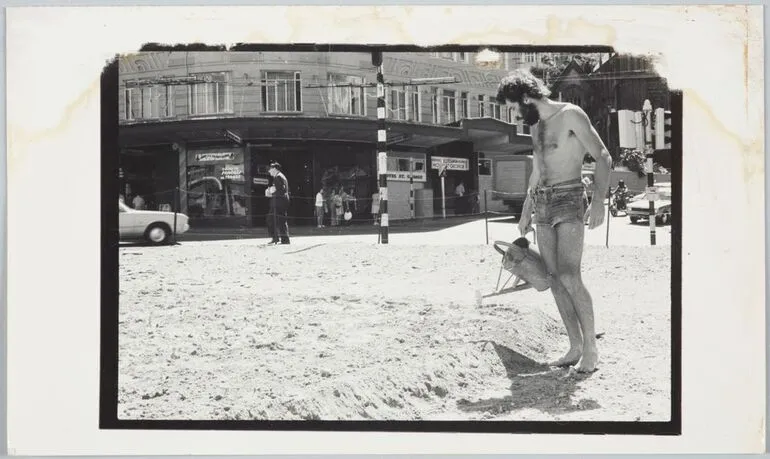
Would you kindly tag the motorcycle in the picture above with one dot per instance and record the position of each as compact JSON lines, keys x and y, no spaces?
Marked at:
{"x":619,"y":203}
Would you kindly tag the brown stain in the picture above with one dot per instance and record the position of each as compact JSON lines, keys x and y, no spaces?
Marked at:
{"x":19,"y":139}
{"x":751,"y":149}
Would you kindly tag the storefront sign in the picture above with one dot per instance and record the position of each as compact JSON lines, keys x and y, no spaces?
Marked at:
{"x":214,"y":157}
{"x":403,"y":176}
{"x":452,"y":164}
{"x":232,"y":172}
{"x":261,"y":180}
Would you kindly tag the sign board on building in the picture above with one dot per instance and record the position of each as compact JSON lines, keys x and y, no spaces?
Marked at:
{"x":215,"y":157}
{"x":452,"y":164}
{"x":261,"y":180}
{"x":232,"y":172}
{"x":403,"y":176}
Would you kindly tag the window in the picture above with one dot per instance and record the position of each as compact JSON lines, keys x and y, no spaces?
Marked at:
{"x":403,"y":164}
{"x":148,"y":102}
{"x":346,"y":95}
{"x":523,"y":129}
{"x":529,"y":58}
{"x":212,"y":96}
{"x":435,"y":109}
{"x":281,"y":92}
{"x":415,"y":101}
{"x":448,"y":106}
{"x":397,"y":104}
{"x":462,"y":57}
{"x":495,"y":110}
{"x":481,"y":107}
{"x":464,"y":105}
{"x":485,"y":167}
{"x":447,"y":56}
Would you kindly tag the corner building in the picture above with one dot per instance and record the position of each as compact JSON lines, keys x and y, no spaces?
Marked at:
{"x":200,"y":128}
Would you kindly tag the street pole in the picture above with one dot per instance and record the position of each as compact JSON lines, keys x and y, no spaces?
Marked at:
{"x":176,"y":209}
{"x":443,"y":194}
{"x":648,"y":151}
{"x":609,"y":214}
{"x":486,"y":216}
{"x":411,"y":188}
{"x":382,"y":146}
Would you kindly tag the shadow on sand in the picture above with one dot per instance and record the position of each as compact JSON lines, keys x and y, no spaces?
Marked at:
{"x":533,"y":385}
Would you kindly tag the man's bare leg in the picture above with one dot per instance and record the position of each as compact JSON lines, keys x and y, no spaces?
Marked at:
{"x":569,"y":238}
{"x":547,"y":240}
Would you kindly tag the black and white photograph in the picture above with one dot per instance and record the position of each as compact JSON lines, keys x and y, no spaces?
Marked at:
{"x":392,"y":229}
{"x":451,"y":235}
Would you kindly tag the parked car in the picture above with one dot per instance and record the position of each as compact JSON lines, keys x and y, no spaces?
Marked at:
{"x":639,"y":207}
{"x":153,"y":226}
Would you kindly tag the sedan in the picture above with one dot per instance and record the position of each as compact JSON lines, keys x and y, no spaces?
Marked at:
{"x":151,"y":226}
{"x":640,"y":208}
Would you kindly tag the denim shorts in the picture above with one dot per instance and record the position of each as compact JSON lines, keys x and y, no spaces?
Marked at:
{"x":560,"y":204}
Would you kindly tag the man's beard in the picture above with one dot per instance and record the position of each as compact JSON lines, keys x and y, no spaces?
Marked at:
{"x":530,"y":114}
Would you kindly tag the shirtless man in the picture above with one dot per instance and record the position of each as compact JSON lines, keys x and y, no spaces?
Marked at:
{"x":561,"y":134}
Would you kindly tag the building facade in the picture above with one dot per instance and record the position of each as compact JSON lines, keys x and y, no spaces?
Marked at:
{"x":198,"y":129}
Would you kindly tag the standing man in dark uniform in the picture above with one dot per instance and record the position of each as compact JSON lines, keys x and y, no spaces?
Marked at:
{"x":277,"y":224}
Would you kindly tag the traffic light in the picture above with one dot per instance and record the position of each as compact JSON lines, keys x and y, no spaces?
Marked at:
{"x":662,"y":129}
{"x":626,"y":129}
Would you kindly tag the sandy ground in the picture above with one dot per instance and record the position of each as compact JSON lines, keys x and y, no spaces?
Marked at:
{"x":355,"y":330}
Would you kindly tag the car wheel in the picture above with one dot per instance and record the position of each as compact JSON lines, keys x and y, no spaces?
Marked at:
{"x":614,"y":212}
{"x":158,"y":233}
{"x":634,"y":219}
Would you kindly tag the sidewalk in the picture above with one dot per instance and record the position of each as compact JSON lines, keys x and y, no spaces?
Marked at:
{"x":418,"y":225}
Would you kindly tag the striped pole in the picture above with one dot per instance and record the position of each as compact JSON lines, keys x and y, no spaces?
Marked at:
{"x":411,"y":188}
{"x":648,"y":151}
{"x":382,"y":153}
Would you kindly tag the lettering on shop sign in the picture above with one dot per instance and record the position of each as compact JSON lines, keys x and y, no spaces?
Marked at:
{"x":452,"y":164}
{"x":212,"y":157}
{"x":261,"y":180}
{"x":234,"y":173}
{"x":403,"y":176}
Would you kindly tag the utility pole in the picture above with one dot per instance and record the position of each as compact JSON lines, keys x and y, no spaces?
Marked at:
{"x":648,"y":151}
{"x":382,"y":147}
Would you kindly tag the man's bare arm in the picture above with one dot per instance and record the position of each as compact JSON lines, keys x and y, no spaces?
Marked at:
{"x":585,"y":132}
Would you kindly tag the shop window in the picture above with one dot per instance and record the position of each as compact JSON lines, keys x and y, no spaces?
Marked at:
{"x":402,"y":164}
{"x":148,"y":102}
{"x":216,"y":184}
{"x":212,"y":96}
{"x":346,"y":95}
{"x":485,"y":167}
{"x":495,"y":110}
{"x":281,"y":92}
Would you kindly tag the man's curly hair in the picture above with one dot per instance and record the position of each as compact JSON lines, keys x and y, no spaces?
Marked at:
{"x":519,"y":83}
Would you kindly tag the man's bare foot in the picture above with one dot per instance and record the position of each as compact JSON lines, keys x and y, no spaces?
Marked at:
{"x":572,"y":357}
{"x":588,"y":362}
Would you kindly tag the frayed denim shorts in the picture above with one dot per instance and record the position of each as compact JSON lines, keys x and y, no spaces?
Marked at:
{"x":560,"y":203}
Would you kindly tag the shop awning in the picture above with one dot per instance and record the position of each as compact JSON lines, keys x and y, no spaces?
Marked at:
{"x":491,"y":135}
{"x":256,"y":130}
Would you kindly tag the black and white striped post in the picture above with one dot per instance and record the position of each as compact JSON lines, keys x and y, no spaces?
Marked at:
{"x":648,"y":152}
{"x":382,"y":147}
{"x":411,"y":188}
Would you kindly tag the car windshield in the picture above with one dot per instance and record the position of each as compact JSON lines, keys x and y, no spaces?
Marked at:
{"x":122,"y":207}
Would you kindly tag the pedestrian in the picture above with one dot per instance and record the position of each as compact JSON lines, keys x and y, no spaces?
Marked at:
{"x":138,"y":202}
{"x":561,"y":135}
{"x":319,"y":207}
{"x":376,"y":208}
{"x":277,"y":218}
{"x":459,"y":198}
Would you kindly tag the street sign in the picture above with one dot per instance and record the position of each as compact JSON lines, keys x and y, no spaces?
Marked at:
{"x":652,"y":193}
{"x":453,"y":164}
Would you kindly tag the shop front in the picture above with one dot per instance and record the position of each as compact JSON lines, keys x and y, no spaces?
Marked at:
{"x":215,"y":192}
